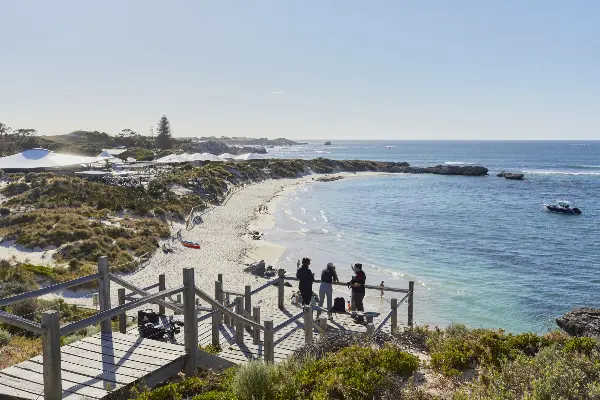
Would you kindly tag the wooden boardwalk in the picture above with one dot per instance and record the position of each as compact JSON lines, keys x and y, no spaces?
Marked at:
{"x":95,"y":366}
{"x":286,"y":340}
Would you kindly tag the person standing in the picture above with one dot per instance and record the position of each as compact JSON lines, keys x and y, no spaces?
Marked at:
{"x":358,"y":286}
{"x":306,"y":279}
{"x":328,"y":277}
{"x":382,"y":286}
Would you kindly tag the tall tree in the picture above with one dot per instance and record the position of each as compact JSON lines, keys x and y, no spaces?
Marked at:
{"x":4,"y":130}
{"x":163,"y":137}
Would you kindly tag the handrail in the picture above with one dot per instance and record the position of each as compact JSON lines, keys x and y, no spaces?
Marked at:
{"x":104,"y":315}
{"x":234,"y":293}
{"x":21,"y":322}
{"x":289,"y":321}
{"x":48,"y":289}
{"x":382,"y":323}
{"x":387,"y":289}
{"x":266,"y":285}
{"x":141,"y":292}
{"x":226,"y":310}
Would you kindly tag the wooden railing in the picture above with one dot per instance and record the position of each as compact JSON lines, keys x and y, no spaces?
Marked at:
{"x":51,"y":330}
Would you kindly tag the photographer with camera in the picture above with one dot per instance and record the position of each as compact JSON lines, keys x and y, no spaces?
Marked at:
{"x":357,"y":284}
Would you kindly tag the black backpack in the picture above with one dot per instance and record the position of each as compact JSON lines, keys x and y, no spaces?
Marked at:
{"x":338,"y":305}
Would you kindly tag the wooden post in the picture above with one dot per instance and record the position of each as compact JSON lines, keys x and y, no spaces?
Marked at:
{"x":51,"y":358}
{"x":247,"y":299}
{"x":323,"y":323}
{"x":308,"y":324}
{"x":281,"y":286}
{"x":227,"y":318}
{"x":220,"y":279}
{"x":411,"y":288}
{"x":394,"y":321}
{"x":239,"y":324}
{"x":162,"y":286}
{"x":256,"y":332}
{"x":122,"y":316}
{"x":215,"y":326}
{"x":104,"y":292}
{"x":370,"y":328}
{"x":190,"y":322}
{"x":269,"y":346}
{"x":219,"y":298}
{"x":178,"y":301}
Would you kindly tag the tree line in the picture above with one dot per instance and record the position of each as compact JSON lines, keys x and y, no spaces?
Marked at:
{"x":16,"y":140}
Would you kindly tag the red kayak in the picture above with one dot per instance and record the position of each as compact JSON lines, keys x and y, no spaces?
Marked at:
{"x":191,"y":245}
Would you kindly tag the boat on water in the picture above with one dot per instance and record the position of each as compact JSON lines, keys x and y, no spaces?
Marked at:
{"x":327,"y":143}
{"x":562,"y":206}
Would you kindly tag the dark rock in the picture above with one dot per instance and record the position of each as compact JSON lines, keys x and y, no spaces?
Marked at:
{"x":287,"y":284}
{"x":581,"y":322}
{"x":446,"y":170}
{"x":510,"y":175}
{"x":257,"y":269}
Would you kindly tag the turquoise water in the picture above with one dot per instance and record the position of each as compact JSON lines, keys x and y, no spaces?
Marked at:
{"x":481,"y":250}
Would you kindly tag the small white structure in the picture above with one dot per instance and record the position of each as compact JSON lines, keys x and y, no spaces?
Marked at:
{"x":172,"y":159}
{"x":227,"y":156}
{"x":205,"y":157}
{"x":42,"y":158}
{"x":250,"y":156}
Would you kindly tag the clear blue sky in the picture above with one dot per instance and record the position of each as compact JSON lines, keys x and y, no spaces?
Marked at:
{"x":304,"y":69}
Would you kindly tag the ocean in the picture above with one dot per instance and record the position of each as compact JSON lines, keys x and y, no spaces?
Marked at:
{"x":481,"y":250}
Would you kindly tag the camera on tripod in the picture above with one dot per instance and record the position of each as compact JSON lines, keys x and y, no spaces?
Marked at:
{"x":151,"y":326}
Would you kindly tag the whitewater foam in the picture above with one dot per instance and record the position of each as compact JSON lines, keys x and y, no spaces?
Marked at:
{"x":458,"y":163}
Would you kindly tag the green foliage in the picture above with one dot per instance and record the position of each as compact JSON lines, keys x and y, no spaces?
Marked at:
{"x":5,"y":337}
{"x":585,"y":345}
{"x":254,"y":380}
{"x":553,"y":373}
{"x":209,"y":348}
{"x":163,"y":138}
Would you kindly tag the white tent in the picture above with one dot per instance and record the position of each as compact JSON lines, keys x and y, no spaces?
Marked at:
{"x":131,"y":159}
{"x":227,"y":156}
{"x":250,"y":156}
{"x":42,"y":158}
{"x":205,"y":157}
{"x":172,"y":159}
{"x":105,"y":154}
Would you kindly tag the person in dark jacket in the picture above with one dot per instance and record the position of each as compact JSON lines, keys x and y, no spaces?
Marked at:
{"x":328,"y":277}
{"x":306,"y":277}
{"x":358,"y":287}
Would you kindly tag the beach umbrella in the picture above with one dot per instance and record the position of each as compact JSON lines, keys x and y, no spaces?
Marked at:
{"x":42,"y":158}
{"x":250,"y":156}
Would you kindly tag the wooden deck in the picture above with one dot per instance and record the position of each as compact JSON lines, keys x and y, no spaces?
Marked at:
{"x":287,"y":340}
{"x":95,"y":366}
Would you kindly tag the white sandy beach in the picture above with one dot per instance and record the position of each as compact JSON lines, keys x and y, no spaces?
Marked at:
{"x":226,"y":247}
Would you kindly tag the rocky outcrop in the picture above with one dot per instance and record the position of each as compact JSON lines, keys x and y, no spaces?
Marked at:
{"x":510,"y":175}
{"x":581,"y":322}
{"x":329,"y":178}
{"x":447,"y":170}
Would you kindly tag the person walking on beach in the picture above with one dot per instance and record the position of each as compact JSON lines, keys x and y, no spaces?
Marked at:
{"x":328,"y":276}
{"x":306,"y":279}
{"x":358,"y":286}
{"x":382,"y":286}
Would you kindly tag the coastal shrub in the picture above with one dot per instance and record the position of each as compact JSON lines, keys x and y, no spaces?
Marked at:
{"x":253,"y":380}
{"x":553,"y":373}
{"x":459,"y":348}
{"x":4,"y":211}
{"x":5,"y":337}
{"x":209,"y":348}
{"x":13,"y":189}
{"x":583,"y":345}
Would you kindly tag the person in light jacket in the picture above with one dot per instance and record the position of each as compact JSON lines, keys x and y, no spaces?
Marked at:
{"x":328,"y":277}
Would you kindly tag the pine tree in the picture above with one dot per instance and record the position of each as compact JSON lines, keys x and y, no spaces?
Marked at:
{"x":163,"y":138}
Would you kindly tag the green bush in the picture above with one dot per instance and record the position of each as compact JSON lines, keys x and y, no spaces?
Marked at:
{"x":253,"y":380}
{"x":5,"y":337}
{"x":553,"y":373}
{"x":583,"y":345}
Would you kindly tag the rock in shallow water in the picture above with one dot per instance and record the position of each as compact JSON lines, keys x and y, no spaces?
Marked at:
{"x":581,"y":322}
